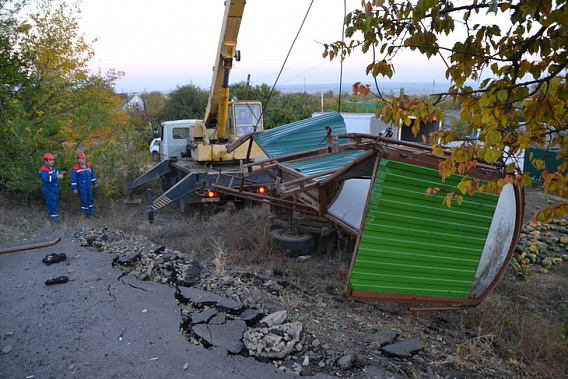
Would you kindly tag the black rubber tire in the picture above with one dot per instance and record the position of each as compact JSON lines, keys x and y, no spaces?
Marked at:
{"x":155,"y":157}
{"x":295,"y":245}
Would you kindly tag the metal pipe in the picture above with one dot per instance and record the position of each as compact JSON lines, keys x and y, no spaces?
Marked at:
{"x":29,"y":247}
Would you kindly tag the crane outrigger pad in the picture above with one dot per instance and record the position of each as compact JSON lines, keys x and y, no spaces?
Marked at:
{"x":186,"y":186}
{"x":410,"y":247}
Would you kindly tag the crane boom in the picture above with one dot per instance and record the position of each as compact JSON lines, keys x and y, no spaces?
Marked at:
{"x":195,"y":152}
{"x":226,"y":121}
{"x":216,"y":112}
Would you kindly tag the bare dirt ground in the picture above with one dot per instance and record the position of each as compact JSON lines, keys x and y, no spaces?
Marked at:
{"x":519,"y":331}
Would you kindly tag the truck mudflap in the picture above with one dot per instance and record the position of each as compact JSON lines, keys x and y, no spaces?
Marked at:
{"x":155,"y":172}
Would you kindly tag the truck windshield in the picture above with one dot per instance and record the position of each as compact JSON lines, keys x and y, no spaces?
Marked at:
{"x":247,"y":118}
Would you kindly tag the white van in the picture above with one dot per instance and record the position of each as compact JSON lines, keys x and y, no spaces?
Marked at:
{"x":155,"y":149}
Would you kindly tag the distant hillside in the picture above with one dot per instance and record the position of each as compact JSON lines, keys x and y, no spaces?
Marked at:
{"x":410,"y":88}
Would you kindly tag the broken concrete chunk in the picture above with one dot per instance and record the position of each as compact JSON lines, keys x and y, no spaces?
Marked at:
{"x":275,"y":342}
{"x":251,"y":316}
{"x":346,"y":361}
{"x":190,"y":276}
{"x":202,"y":333}
{"x":275,"y":318}
{"x":218,"y":319}
{"x":159,"y":250}
{"x":127,"y":259}
{"x":203,"y":317}
{"x":272,"y":287}
{"x":204,"y":298}
{"x":382,"y":338}
{"x":403,"y":349}
{"x":54,"y":258}
{"x":227,"y":336}
{"x":58,"y":280}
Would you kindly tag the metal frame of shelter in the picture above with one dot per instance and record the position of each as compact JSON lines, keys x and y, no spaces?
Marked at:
{"x":409,"y":246}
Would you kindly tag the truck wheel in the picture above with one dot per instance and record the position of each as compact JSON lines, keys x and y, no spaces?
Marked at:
{"x":155,"y":157}
{"x":295,"y":245}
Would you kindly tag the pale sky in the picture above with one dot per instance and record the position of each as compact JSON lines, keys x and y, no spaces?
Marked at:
{"x":162,"y":45}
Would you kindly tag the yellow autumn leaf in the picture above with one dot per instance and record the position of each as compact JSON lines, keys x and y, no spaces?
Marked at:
{"x":438,"y":151}
{"x":493,"y":137}
{"x":459,"y":199}
{"x":492,"y":155}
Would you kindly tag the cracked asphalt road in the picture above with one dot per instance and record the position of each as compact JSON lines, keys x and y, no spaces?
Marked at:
{"x":100,"y":324}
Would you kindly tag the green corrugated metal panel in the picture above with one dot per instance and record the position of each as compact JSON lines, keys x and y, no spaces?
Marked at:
{"x":328,"y":162}
{"x":300,"y":135}
{"x":550,"y":159}
{"x":413,"y":244}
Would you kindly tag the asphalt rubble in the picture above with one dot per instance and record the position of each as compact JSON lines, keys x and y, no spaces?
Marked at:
{"x":102,"y":322}
{"x":236,"y":314}
{"x":104,"y":304}
{"x":131,"y":308}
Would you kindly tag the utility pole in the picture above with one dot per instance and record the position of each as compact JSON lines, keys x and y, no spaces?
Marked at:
{"x":247,"y":87}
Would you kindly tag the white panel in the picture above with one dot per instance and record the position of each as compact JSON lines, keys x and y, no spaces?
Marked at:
{"x":498,"y":241}
{"x":350,"y":203}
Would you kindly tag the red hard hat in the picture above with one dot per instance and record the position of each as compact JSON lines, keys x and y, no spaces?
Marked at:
{"x":47,"y":156}
{"x":80,"y":155}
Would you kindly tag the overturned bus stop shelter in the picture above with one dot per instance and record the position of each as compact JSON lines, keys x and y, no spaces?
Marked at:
{"x":409,"y":247}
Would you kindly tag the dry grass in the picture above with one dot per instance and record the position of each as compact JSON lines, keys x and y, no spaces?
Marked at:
{"x":220,"y":257}
{"x":242,"y":236}
{"x":527,"y":321}
{"x":291,"y":298}
{"x":20,"y":220}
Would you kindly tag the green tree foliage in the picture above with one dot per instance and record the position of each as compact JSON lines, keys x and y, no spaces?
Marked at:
{"x":12,"y":62}
{"x":515,"y":51}
{"x":186,"y":102}
{"x":279,"y":108}
{"x":189,"y":102}
{"x":145,"y":118}
{"x":51,"y":102}
{"x":154,"y":103}
{"x":288,"y":108}
{"x":261,"y":92}
{"x":355,"y":105}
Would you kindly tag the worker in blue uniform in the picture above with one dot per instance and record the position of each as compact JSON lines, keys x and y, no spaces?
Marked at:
{"x":83,"y":180}
{"x":50,"y":183}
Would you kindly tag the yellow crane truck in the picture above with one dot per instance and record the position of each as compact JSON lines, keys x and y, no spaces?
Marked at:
{"x":194,"y":154}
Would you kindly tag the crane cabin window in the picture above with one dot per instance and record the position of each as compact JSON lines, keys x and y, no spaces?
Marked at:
{"x":247,"y":118}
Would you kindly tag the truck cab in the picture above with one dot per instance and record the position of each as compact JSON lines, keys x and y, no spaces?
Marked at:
{"x":174,"y":135}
